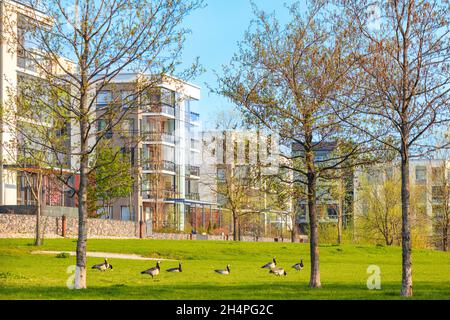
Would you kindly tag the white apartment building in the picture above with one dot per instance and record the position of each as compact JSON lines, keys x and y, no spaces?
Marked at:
{"x":164,"y":148}
{"x":16,"y":65}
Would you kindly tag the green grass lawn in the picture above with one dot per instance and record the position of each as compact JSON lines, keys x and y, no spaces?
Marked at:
{"x":343,"y":271}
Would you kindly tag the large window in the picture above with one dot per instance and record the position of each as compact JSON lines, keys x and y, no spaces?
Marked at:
{"x":125,"y":213}
{"x":127,"y":97}
{"x":167,"y":97}
{"x":421,"y":174}
{"x":103,"y":98}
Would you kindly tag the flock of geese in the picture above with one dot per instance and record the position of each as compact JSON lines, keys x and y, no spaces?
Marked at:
{"x":272,"y":266}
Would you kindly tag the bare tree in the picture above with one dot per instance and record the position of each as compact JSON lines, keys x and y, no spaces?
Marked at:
{"x":404,"y":84}
{"x":77,"y":48}
{"x":286,"y":78}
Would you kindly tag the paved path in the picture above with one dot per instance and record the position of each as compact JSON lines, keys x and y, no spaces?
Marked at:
{"x":108,"y":255}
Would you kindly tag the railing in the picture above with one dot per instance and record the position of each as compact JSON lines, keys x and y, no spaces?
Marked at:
{"x":195,"y":144}
{"x":193,"y":196}
{"x":31,"y":60}
{"x":192,"y":170}
{"x":158,"y":194}
{"x":158,"y":137}
{"x":158,"y":166}
{"x":194,"y":117}
{"x":159,"y":108}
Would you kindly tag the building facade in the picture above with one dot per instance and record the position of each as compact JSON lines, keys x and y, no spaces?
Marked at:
{"x":160,"y":135}
{"x":427,"y":180}
{"x":18,"y":69}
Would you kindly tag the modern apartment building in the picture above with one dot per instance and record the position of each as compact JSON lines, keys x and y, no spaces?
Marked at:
{"x":160,"y":135}
{"x":236,"y":166}
{"x":17,"y":66}
{"x":426,"y":183}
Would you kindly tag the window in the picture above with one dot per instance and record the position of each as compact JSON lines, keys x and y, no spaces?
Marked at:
{"x":128,"y":126}
{"x":127,"y":97}
{"x":103,"y":98}
{"x":221,"y":174}
{"x":421,"y":174}
{"x":102,"y":125}
{"x":167,"y":97}
{"x":125,"y":213}
{"x":105,"y":212}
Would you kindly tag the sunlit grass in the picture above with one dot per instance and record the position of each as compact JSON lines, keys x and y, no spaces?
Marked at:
{"x":343,"y":271}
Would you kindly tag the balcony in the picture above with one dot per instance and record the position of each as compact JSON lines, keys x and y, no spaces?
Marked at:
{"x":193,"y":196}
{"x":193,"y":117}
{"x":192,"y":170}
{"x":159,"y":194}
{"x":157,"y":137}
{"x":32,"y":60}
{"x":163,"y":165}
{"x":160,"y":109}
{"x":195,"y":144}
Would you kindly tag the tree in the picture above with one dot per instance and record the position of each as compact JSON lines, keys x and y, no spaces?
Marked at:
{"x":403,"y":81}
{"x":380,"y":206}
{"x":112,"y":180}
{"x":286,"y":78}
{"x":102,"y":39}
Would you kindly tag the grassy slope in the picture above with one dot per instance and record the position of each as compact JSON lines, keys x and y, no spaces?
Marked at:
{"x":343,"y":271}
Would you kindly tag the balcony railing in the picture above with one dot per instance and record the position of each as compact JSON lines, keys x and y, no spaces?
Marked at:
{"x":159,"y":108}
{"x":158,"y":194}
{"x":32,"y":61}
{"x":195,"y":144}
{"x":193,"y":170}
{"x":193,"y":196}
{"x":194,"y":117}
{"x":157,"y":137}
{"x":163,"y":165}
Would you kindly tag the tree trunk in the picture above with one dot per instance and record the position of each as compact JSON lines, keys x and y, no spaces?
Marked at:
{"x":293,"y":231}
{"x":235,"y":238}
{"x":80,"y":273}
{"x":38,"y":241}
{"x":340,"y":211}
{"x":406,"y":228}
{"x":314,"y":281}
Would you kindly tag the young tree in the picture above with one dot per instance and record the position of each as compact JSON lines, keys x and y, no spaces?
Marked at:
{"x":404,"y":83}
{"x":112,"y":180}
{"x":380,"y":207}
{"x":102,"y":39}
{"x":285,"y":78}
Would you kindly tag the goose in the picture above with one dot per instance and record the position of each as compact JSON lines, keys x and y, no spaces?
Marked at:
{"x":270,"y":265}
{"x":175,"y":269}
{"x":226,"y":271}
{"x":153,"y":271}
{"x":298,"y":266}
{"x":103,"y":266}
{"x":278,"y":271}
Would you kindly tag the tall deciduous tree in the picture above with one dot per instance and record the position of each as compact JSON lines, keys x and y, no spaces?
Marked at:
{"x":285,"y":78}
{"x":101,"y":39}
{"x":405,"y":85}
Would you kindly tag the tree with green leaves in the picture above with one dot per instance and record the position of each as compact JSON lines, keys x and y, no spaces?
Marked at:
{"x":286,"y":78}
{"x":113,"y":178}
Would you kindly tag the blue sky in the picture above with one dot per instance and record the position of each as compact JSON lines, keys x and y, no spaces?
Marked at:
{"x":216,"y":29}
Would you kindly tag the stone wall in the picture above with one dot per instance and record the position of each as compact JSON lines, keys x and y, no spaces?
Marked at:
{"x":17,"y":225}
{"x":52,"y":226}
